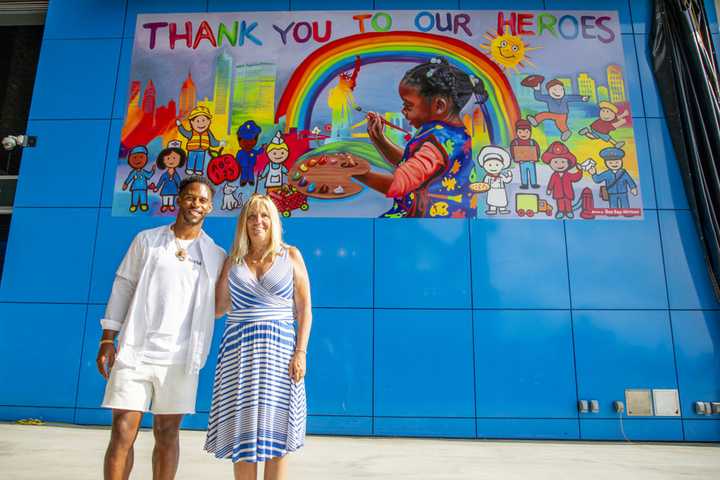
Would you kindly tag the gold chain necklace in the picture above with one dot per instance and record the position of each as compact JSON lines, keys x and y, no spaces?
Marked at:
{"x":181,"y":253}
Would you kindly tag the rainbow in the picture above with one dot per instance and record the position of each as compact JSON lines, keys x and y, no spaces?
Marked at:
{"x":325,"y":64}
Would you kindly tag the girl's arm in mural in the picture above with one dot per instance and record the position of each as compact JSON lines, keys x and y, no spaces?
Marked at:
{"x":376,"y":132}
{"x":377,"y":181}
{"x":409,"y":176}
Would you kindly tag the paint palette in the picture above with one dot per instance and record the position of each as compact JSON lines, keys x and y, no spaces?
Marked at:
{"x":328,"y":175}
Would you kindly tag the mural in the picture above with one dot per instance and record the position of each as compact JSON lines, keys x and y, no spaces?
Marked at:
{"x":461,"y":114}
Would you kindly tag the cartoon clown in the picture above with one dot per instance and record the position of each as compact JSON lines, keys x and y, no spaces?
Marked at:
{"x":137,"y":179}
{"x":495,"y":161}
{"x":564,"y":165}
{"x":200,"y":139}
{"x":275,"y":173}
{"x":247,"y":135}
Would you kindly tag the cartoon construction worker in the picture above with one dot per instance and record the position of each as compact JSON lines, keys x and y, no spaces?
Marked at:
{"x":495,"y":161}
{"x":557,"y":103}
{"x":564,"y":165}
{"x":247,"y":135}
{"x":609,"y":120}
{"x":200,"y":139}
{"x":137,"y":179}
{"x":275,"y":173}
{"x":617,"y":180}
{"x":526,"y":152}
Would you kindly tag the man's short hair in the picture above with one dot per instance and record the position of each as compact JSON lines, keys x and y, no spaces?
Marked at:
{"x":196,"y":179}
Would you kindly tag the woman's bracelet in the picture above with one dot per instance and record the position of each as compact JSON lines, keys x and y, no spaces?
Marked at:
{"x":301,"y":350}
{"x":107,"y":340}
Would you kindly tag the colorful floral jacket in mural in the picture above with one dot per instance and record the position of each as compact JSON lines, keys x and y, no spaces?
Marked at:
{"x":444,"y":193}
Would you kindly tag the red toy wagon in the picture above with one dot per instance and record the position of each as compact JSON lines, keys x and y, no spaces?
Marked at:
{"x":288,"y":199}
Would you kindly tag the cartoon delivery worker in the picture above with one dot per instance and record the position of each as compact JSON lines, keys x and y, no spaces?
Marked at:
{"x":275,"y":173}
{"x":526,"y":152}
{"x":137,"y":179}
{"x":609,"y":120}
{"x":170,"y":159}
{"x":564,"y":165}
{"x":495,"y":161}
{"x":617,"y":180}
{"x":200,"y":139}
{"x":247,"y":135}
{"x":557,"y":103}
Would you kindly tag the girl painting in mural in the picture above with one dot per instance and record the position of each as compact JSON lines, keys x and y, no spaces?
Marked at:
{"x":432,"y":173}
{"x":170,"y":159}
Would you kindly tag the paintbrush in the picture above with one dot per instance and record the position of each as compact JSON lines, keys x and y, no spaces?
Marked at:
{"x":408,"y":135}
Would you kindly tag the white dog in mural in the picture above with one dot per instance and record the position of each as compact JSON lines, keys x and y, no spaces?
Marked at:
{"x":229,"y":201}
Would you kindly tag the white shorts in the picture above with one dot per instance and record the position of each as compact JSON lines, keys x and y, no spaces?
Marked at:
{"x":160,"y":389}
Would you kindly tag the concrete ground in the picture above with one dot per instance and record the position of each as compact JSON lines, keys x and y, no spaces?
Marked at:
{"x":73,"y":452}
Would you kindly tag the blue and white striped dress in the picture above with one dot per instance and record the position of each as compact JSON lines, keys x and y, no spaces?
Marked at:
{"x":257,"y":411}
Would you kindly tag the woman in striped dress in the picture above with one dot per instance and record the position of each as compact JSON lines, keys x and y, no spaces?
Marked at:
{"x":258,"y":408}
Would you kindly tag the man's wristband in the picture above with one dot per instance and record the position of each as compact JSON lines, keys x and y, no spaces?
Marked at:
{"x":300,"y":350}
{"x":107,"y":340}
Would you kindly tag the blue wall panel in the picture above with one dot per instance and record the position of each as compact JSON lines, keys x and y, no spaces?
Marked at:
{"x":114,"y":235}
{"x":339,"y":425}
{"x":651,"y":97}
{"x":688,"y":278}
{"x":424,"y":363}
{"x":633,"y":429}
{"x":501,"y":4}
{"x":616,"y":265}
{"x":668,"y":182}
{"x":697,"y":336}
{"x":122,"y":90}
{"x":75,"y":79}
{"x":645,"y":165}
{"x":85,"y":19}
{"x":69,"y":176}
{"x":48,"y":377}
{"x":28,"y":274}
{"x":91,"y":385}
{"x":339,"y":379}
{"x":235,"y":6}
{"x":519,"y":265}
{"x":416,"y":4}
{"x":534,"y":428}
{"x":632,"y":76}
{"x":425,"y":427}
{"x":110,"y":163}
{"x":430,"y":271}
{"x":702,"y":430}
{"x":538,"y":378}
{"x":619,"y":350}
{"x":46,"y":414}
{"x":323,"y":5}
{"x":338,"y":254}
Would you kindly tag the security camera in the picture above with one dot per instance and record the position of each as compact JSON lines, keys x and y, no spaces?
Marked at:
{"x":13,"y":141}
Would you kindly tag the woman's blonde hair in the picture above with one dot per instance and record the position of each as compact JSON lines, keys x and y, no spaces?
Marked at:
{"x":241,"y":243}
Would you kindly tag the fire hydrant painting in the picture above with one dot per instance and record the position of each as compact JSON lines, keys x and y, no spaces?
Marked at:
{"x":427,"y":114}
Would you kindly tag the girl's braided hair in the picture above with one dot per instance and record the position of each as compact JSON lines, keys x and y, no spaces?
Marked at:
{"x":438,"y":78}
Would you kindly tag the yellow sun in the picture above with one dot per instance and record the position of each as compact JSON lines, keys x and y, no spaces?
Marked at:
{"x":509,"y":51}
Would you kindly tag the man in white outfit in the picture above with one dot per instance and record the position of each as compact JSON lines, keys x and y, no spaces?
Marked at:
{"x":161,"y":312}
